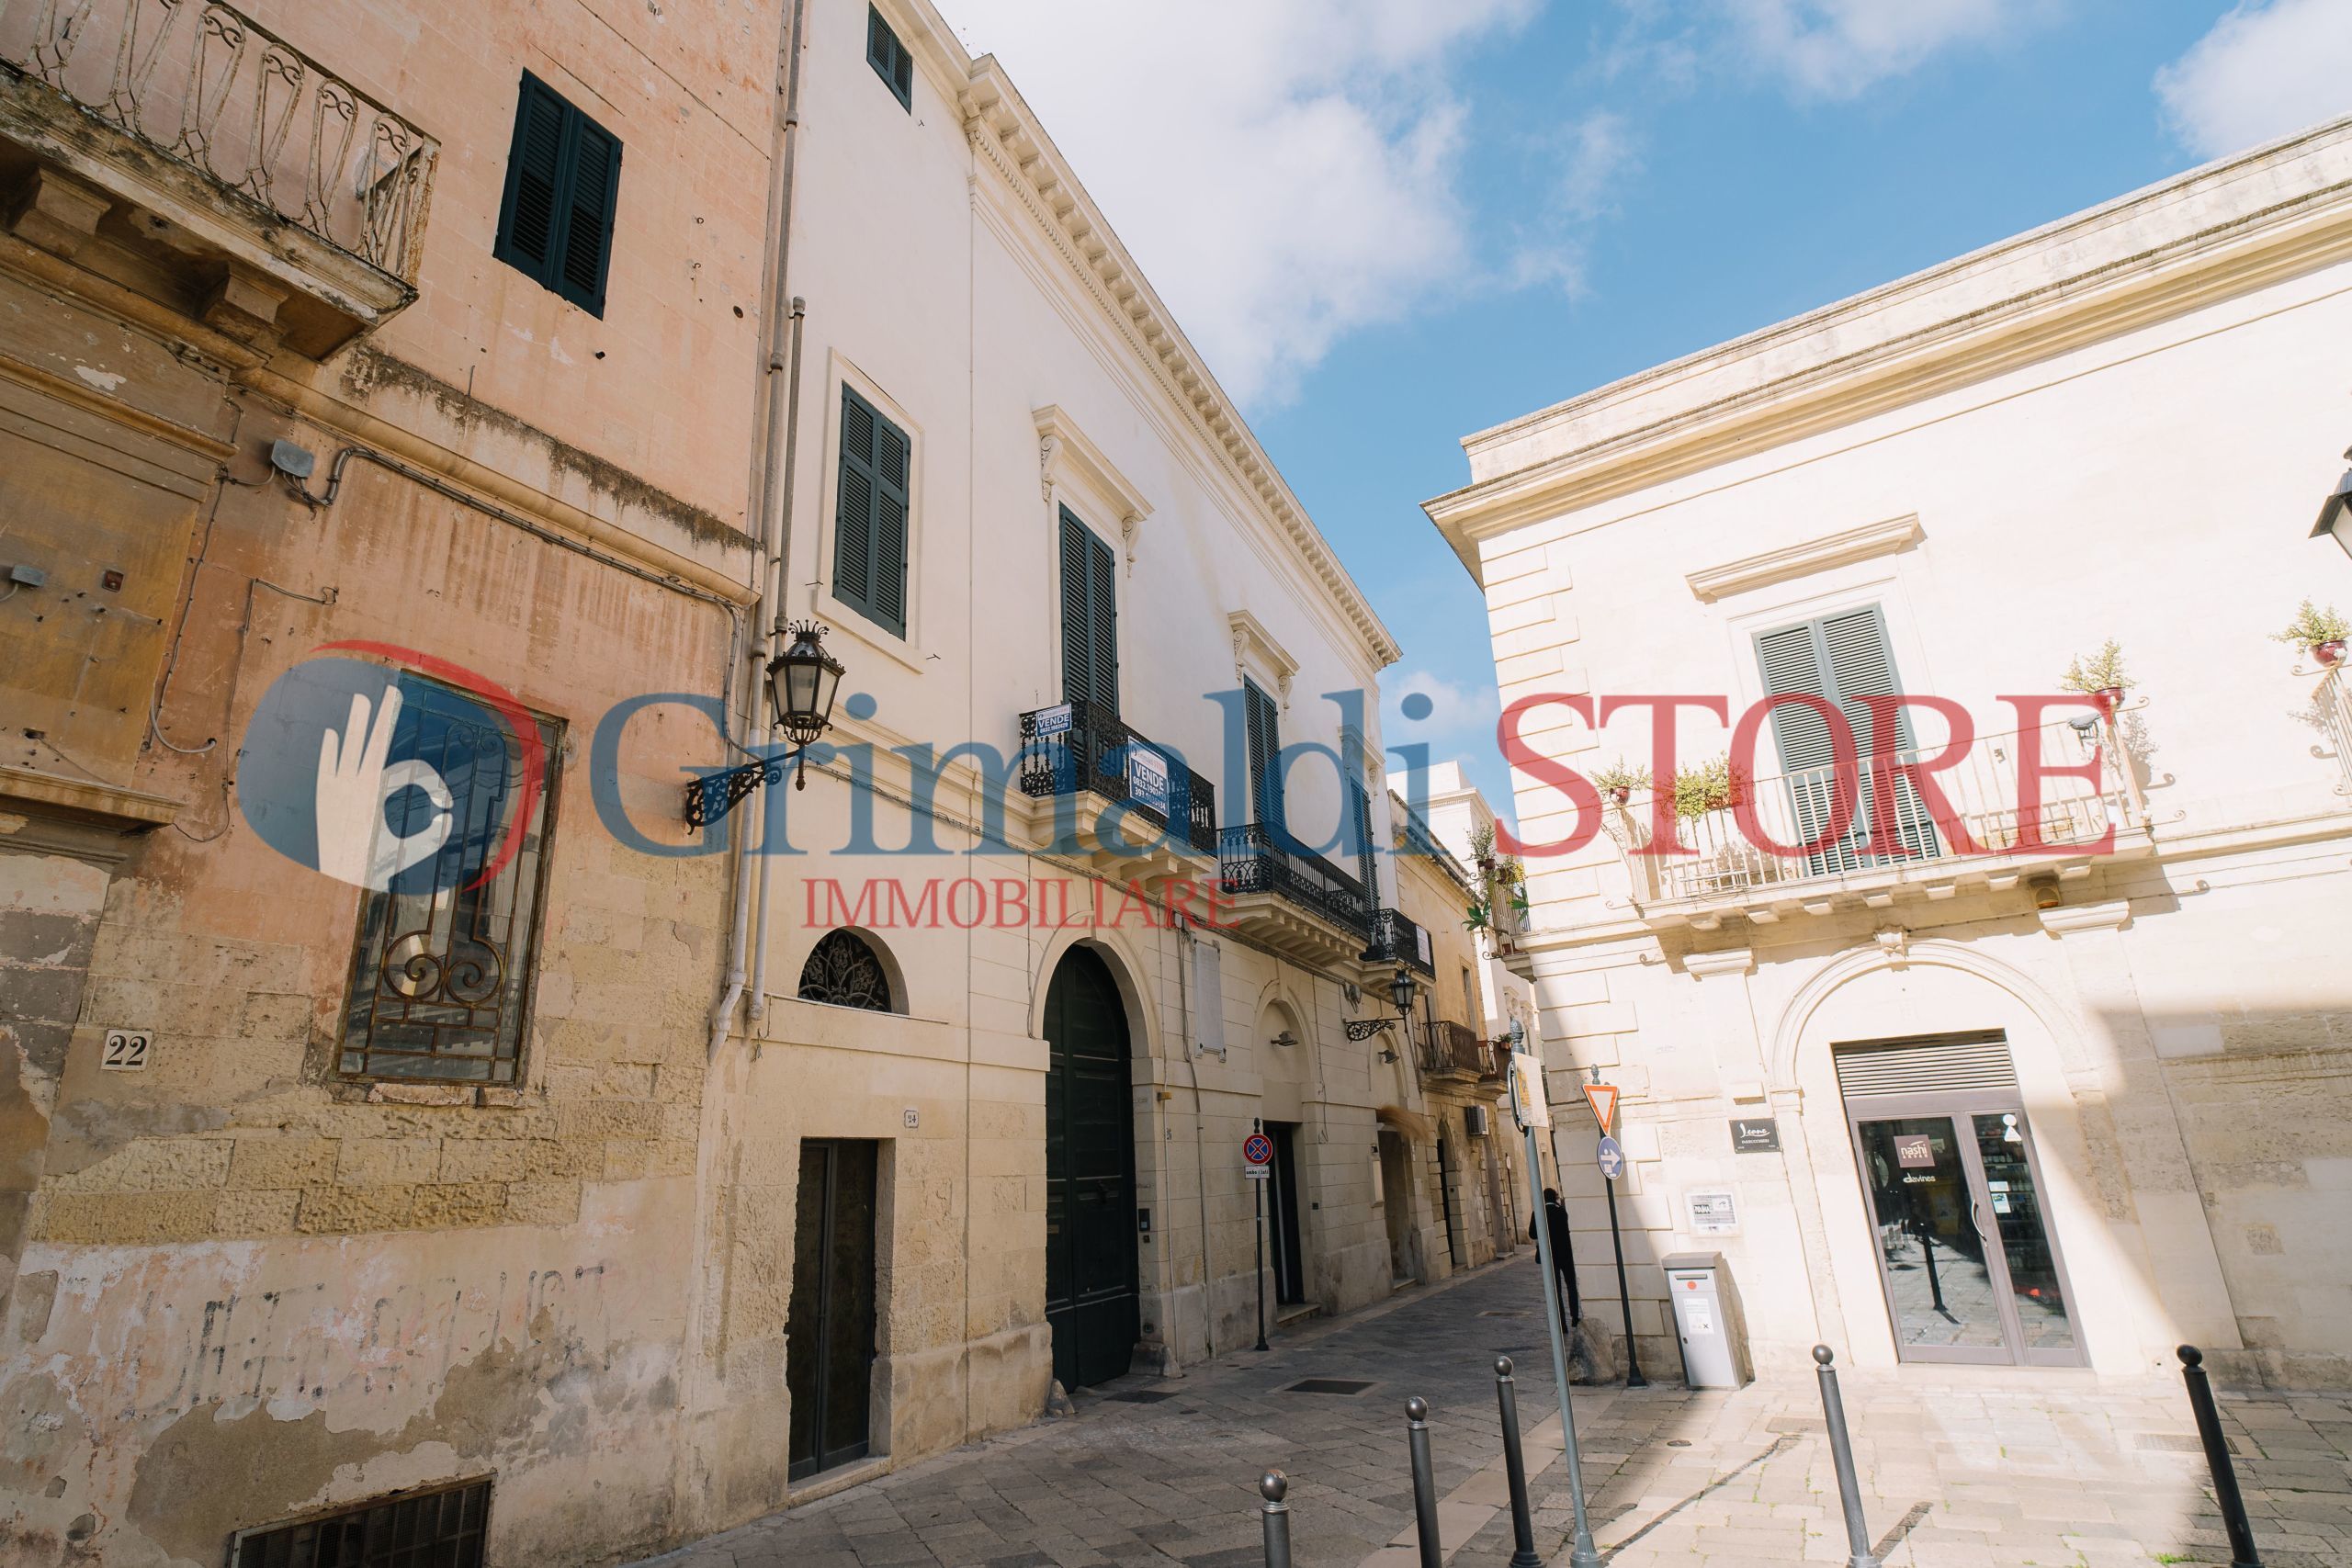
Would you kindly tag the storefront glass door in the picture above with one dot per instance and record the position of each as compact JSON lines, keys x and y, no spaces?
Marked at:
{"x":1969,"y":1269}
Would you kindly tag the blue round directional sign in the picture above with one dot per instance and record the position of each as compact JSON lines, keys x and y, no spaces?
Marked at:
{"x":1611,"y":1158}
{"x":1257,"y":1148}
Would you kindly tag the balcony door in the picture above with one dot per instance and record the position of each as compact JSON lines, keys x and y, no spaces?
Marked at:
{"x":1965,"y":1251}
{"x":1090,"y":621}
{"x":1843,"y":659}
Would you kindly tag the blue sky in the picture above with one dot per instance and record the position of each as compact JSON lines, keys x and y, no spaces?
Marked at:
{"x":1387,"y":223}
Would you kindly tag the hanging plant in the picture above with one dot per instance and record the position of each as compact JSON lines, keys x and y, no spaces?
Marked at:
{"x":2322,"y":631}
{"x":1617,"y":781}
{"x":1478,"y":920}
{"x":2101,"y":675}
{"x":1713,"y":785}
{"x":1482,"y":846}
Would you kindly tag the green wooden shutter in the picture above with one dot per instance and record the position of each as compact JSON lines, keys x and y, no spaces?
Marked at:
{"x":1077,"y":625}
{"x":1102,"y":617}
{"x":591,"y":201}
{"x":1089,"y":617}
{"x":889,"y":58}
{"x":892,"y":456}
{"x":870,"y":515}
{"x":1259,"y":716}
{"x":1360,"y":807}
{"x":526,"y":233}
{"x":563,"y":174}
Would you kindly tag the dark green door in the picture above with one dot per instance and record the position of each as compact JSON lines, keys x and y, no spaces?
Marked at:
{"x":1089,"y":1176}
{"x":829,"y":1337}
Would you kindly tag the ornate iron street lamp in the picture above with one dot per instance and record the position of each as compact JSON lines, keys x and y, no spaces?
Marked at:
{"x":802,"y":683}
{"x":1402,"y":989}
{"x":2336,"y":516}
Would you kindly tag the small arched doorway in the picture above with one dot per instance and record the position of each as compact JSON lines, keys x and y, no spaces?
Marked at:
{"x":1090,"y":1259}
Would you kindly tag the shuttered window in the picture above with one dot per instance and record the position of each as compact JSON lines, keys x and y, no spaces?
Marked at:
{"x":870,"y":519}
{"x":563,"y":178}
{"x":889,"y":58}
{"x":1360,"y":818}
{"x":1208,"y":997}
{"x":1843,"y":659}
{"x":1090,"y":619}
{"x":1265,"y":751}
{"x":1940,"y":1064}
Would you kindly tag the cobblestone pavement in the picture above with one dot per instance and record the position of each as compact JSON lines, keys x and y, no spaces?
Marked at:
{"x":1992,"y":1470}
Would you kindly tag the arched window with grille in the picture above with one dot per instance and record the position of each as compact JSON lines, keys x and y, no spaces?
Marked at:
{"x":845,"y":970}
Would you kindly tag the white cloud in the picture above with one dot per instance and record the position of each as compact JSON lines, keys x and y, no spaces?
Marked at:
{"x":1285,"y":171}
{"x":1820,"y":49}
{"x":2264,"y":71}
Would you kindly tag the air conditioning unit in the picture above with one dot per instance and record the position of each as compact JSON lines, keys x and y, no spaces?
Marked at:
{"x":1474,"y":1120}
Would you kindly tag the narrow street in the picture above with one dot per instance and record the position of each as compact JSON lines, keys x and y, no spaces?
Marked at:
{"x":2004,"y":1469}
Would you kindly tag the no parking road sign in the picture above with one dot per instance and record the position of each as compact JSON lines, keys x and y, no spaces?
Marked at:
{"x":1257,"y":1152}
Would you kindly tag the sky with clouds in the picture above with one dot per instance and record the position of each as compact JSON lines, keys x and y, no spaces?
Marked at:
{"x":1387,"y":223}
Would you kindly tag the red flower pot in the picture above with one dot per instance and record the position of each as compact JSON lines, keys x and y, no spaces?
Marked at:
{"x":2330,"y":654}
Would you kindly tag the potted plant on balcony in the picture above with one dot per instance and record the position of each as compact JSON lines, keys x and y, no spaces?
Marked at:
{"x":1618,"y":782}
{"x":2322,"y":631}
{"x":1711,"y":786}
{"x":2100,"y":677}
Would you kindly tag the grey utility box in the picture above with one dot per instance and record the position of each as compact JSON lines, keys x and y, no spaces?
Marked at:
{"x":1707,"y":1320}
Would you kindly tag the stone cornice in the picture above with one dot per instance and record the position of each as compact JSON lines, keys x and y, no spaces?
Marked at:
{"x":1009,"y":140}
{"x":1803,"y":559}
{"x":2214,"y":233}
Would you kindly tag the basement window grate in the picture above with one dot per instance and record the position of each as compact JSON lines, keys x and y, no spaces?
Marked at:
{"x":1341,"y":1386}
{"x":442,"y":1528}
{"x":1143,"y":1397}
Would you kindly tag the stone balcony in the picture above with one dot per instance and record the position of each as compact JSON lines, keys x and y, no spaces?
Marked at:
{"x":180,"y":150}
{"x":1811,"y":842}
{"x":1289,"y":898}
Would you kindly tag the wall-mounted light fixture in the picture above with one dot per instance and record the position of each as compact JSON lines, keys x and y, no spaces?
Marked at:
{"x":802,"y":683}
{"x":2336,"y":515}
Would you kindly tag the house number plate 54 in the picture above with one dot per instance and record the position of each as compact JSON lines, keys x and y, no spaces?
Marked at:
{"x":126,"y":1051}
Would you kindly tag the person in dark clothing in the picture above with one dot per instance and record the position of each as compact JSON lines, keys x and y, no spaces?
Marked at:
{"x":1564,"y":1261}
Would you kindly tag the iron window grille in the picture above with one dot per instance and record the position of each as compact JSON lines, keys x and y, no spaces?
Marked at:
{"x":441,"y":970}
{"x":844,"y":971}
{"x":442,"y":1528}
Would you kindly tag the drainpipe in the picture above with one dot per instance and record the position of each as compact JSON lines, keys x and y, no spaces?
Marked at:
{"x":776,"y":591}
{"x":1200,"y":1150}
{"x":782,"y":318}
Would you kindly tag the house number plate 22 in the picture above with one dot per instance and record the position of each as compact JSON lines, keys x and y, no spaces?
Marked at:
{"x":126,"y":1051}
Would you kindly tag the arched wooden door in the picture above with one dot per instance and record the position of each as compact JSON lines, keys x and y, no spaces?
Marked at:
{"x":1089,"y":1176}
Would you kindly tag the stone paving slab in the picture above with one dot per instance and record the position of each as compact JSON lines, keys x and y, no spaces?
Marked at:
{"x":2003,"y":1470}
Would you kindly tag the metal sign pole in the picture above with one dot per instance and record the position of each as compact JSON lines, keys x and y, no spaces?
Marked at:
{"x":1582,"y":1553}
{"x":1258,"y":1203}
{"x":1633,"y":1378}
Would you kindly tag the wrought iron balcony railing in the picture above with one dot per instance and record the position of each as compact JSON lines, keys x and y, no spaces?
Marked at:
{"x":1398,"y":940}
{"x":206,"y":86}
{"x":1455,"y":1049}
{"x":1974,"y":810}
{"x":1257,"y":858}
{"x":1083,"y":746}
{"x":2332,"y":706}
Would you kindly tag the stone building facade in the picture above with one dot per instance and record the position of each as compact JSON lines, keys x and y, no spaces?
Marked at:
{"x":1976,"y":1073}
{"x":500,"y":1147}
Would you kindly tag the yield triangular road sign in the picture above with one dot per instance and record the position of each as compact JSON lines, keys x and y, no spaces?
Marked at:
{"x":1602,"y":1097}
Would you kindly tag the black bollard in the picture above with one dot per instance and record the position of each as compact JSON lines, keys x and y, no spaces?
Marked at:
{"x":1522,"y":1524}
{"x":2217,"y":1459}
{"x":1417,"y":1439}
{"x":1841,"y":1451}
{"x":1276,"y":1515}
